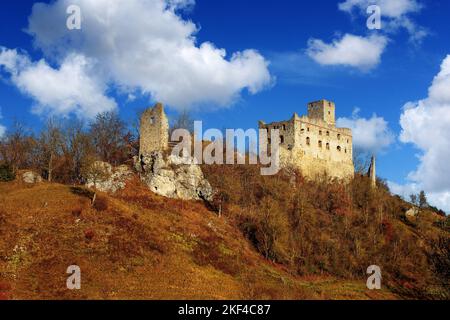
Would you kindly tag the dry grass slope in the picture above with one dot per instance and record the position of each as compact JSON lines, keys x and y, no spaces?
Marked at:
{"x":136,"y":245}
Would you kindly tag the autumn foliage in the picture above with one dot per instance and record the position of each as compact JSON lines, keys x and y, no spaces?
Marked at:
{"x":329,"y":227}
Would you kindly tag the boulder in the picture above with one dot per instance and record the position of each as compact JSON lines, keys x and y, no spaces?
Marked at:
{"x":413,"y":212}
{"x":31,"y":177}
{"x":103,"y":177}
{"x":175,"y":177}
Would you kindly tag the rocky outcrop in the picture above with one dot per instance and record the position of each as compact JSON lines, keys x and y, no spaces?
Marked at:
{"x":103,"y":177}
{"x":174,"y":177}
{"x":413,"y":212}
{"x":31,"y":177}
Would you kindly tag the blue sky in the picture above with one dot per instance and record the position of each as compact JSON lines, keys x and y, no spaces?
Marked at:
{"x":301,"y":51}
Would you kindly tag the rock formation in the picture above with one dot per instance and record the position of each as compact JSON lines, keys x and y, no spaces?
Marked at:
{"x":174,"y":177}
{"x":31,"y":177}
{"x":103,"y":177}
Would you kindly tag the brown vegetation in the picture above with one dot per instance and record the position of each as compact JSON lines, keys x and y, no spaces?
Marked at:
{"x":63,"y":151}
{"x":263,"y":237}
{"x":141,"y":247}
{"x":331,"y":228}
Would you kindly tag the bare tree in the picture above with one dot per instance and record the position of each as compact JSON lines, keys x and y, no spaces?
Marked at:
{"x":423,"y":201}
{"x":16,"y":147}
{"x":183,"y":121}
{"x":413,"y":199}
{"x":420,"y":201}
{"x":132,"y":138}
{"x":50,"y":146}
{"x":78,"y":148}
{"x":136,"y":122}
{"x":361,"y":161}
{"x":108,"y":132}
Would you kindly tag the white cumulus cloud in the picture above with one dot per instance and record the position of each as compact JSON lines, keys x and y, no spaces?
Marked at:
{"x":395,"y":14}
{"x":359,"y":52}
{"x":71,"y":88}
{"x":146,"y":46}
{"x":370,"y":135}
{"x":426,"y":125}
{"x":389,"y":8}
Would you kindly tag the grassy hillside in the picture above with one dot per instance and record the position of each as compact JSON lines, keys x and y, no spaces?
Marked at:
{"x":136,"y":245}
{"x":331,"y":228}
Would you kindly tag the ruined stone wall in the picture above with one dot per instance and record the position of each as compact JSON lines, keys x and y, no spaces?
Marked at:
{"x":314,"y":144}
{"x":322,"y":141}
{"x":154,"y":130}
{"x":286,"y":132}
{"x":314,"y":168}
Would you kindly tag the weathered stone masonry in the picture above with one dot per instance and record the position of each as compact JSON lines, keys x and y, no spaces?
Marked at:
{"x":313,"y":143}
{"x":167,"y":175}
{"x":154,"y":130}
{"x":310,"y":143}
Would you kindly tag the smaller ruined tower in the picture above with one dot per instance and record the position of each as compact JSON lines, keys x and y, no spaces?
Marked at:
{"x":372,"y":172}
{"x":154,"y":130}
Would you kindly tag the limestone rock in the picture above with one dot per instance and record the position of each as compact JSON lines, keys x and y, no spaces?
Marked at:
{"x":103,"y":177}
{"x":31,"y":177}
{"x":411,"y":213}
{"x":175,"y":177}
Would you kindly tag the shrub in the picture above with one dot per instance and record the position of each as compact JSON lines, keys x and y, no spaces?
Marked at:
{"x":89,"y":234}
{"x":101,"y":204}
{"x":83,"y":192}
{"x":77,"y":212}
{"x":6,"y":173}
{"x":209,"y":252}
{"x":328,"y":227}
{"x":5,"y":289}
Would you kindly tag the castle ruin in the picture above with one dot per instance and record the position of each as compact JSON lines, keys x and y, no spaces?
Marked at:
{"x":313,"y":143}
{"x":154,"y":130}
{"x":310,"y":143}
{"x":167,"y":175}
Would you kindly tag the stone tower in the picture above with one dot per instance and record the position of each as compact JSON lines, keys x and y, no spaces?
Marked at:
{"x":373,"y":173}
{"x":154,"y":130}
{"x":322,"y":110}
